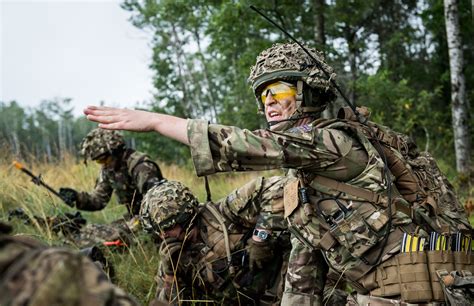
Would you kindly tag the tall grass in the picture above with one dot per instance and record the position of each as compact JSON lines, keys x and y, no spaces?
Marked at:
{"x":135,"y":267}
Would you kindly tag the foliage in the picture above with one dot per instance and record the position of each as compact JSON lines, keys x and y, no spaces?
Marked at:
{"x":389,"y":55}
{"x":386,"y":55}
{"x":135,"y":266}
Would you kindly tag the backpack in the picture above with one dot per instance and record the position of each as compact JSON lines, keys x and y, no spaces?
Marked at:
{"x":418,"y":179}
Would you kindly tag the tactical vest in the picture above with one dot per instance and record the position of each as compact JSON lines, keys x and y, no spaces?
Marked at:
{"x":419,"y":180}
{"x":353,"y":217}
{"x":348,"y":220}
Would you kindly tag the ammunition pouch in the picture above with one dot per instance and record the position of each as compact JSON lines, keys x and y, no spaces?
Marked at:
{"x":405,"y":275}
{"x":357,"y":233}
{"x":415,"y":276}
{"x":463,"y":261}
{"x":439,"y":260}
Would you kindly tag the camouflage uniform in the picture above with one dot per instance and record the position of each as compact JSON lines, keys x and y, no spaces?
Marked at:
{"x":200,"y":269}
{"x":134,"y":173}
{"x":33,"y":274}
{"x":315,"y":152}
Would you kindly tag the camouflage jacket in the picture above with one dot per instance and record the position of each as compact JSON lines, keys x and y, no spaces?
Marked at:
{"x":320,"y":151}
{"x":202,"y":266}
{"x":133,"y":175}
{"x":34,"y":274}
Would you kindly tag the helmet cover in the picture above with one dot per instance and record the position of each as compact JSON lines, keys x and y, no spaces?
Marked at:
{"x":100,"y":141}
{"x":289,"y":62}
{"x":166,"y":205}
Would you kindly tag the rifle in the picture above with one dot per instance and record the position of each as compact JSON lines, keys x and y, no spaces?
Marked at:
{"x":37,"y":179}
{"x":68,"y":223}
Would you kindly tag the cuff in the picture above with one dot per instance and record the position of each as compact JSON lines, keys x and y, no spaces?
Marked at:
{"x":200,"y":149}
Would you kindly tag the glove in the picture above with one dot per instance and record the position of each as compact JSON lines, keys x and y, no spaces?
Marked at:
{"x":259,"y":253}
{"x":68,"y":195}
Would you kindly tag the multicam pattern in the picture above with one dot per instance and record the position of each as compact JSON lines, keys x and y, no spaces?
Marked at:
{"x":198,"y":269}
{"x":290,"y":62}
{"x":258,"y":202}
{"x":133,"y":175}
{"x":100,"y":141}
{"x":326,"y":148}
{"x":166,"y":204}
{"x":32,"y":274}
{"x":329,"y":152}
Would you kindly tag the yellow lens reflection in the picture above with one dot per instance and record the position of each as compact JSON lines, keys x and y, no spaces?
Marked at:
{"x":279,"y":90}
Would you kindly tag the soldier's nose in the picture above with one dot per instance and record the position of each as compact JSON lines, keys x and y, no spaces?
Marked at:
{"x":270,"y":100}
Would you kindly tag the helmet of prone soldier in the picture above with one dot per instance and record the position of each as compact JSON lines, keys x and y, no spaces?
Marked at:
{"x":100,"y":142}
{"x":290,"y":63}
{"x":166,"y":205}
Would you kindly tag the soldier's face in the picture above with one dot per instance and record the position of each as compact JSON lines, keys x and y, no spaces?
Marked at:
{"x":174,"y":232}
{"x":105,"y":161}
{"x":280,"y":101}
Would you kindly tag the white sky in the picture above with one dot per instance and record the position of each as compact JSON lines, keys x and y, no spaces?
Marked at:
{"x":84,"y":50}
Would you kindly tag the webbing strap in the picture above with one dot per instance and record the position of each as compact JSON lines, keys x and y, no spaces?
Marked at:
{"x":349,"y":189}
{"x":365,"y":194}
{"x":220,"y":219}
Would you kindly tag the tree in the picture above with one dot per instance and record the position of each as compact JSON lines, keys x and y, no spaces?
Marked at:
{"x":459,"y":102}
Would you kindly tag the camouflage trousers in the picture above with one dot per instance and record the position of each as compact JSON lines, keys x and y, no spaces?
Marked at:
{"x":306,"y":276}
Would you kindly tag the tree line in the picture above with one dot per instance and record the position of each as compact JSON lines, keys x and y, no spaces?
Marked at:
{"x":390,"y":55}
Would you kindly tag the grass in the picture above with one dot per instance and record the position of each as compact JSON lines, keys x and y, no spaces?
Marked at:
{"x":135,"y":267}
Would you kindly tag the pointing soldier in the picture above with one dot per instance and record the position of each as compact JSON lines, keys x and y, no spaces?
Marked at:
{"x":340,"y":207}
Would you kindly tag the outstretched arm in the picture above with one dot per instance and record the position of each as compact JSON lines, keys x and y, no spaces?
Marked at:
{"x":138,"y":121}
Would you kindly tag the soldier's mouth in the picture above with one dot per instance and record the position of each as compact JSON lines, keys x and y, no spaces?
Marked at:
{"x":273,"y":115}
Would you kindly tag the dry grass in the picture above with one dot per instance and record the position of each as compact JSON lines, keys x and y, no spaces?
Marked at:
{"x":136,"y":266}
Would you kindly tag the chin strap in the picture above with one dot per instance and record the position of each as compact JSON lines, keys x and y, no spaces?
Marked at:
{"x":298,"y":117}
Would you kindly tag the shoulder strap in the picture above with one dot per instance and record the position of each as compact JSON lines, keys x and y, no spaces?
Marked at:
{"x":365,"y":194}
{"x":210,"y":207}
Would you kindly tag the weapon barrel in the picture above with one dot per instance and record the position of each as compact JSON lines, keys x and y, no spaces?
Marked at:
{"x":36,"y":179}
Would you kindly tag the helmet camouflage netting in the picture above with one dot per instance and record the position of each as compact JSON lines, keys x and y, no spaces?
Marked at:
{"x":166,"y":205}
{"x":291,"y":63}
{"x":100,"y":141}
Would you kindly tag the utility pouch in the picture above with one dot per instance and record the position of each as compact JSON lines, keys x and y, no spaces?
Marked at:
{"x":405,"y":274}
{"x":439,"y":260}
{"x":463,"y":261}
{"x":355,"y":234}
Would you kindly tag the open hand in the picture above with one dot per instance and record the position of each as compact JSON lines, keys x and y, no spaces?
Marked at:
{"x":121,"y":118}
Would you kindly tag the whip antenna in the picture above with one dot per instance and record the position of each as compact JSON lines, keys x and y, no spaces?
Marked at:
{"x":362,"y":120}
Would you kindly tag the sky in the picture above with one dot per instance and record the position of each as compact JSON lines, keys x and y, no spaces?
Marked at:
{"x":84,"y":50}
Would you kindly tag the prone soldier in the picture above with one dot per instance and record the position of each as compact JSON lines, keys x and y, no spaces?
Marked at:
{"x":210,"y":251}
{"x":34,"y":274}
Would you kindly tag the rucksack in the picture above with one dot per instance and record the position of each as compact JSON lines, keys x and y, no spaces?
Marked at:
{"x":418,"y":179}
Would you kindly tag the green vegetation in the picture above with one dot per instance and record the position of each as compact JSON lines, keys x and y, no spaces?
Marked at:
{"x":135,"y":266}
{"x":390,"y":55}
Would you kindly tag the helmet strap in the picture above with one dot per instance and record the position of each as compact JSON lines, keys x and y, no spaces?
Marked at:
{"x":299,"y":94}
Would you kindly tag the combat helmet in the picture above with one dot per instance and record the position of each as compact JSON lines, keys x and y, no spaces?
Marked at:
{"x":166,"y":205}
{"x":289,"y":62}
{"x":99,"y":142}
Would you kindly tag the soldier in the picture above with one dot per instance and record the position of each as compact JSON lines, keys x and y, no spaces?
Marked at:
{"x":34,"y":274}
{"x":341,"y":207}
{"x":127,"y":172}
{"x":210,"y":251}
